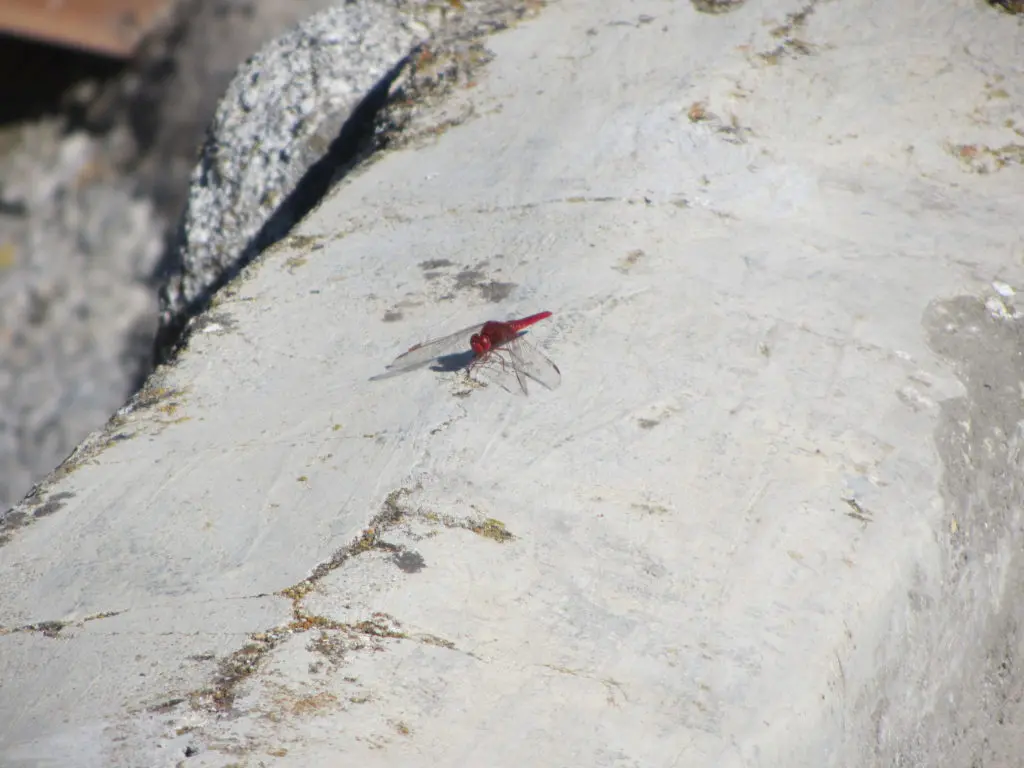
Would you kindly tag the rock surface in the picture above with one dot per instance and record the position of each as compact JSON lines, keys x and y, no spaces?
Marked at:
{"x":301,"y":114}
{"x":182,"y":74}
{"x":94,"y":168}
{"x":277,"y":118}
{"x":77,"y":311}
{"x":771,"y":517}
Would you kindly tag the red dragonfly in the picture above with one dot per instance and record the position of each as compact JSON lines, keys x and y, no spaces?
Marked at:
{"x":496,"y":351}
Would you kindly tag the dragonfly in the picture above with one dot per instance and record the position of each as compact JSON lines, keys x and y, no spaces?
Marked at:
{"x":496,"y":351}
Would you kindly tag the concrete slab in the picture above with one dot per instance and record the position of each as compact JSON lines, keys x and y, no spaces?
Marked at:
{"x":771,"y":516}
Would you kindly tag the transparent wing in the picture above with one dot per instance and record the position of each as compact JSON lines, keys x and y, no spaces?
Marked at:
{"x":425,"y":353}
{"x":533,"y":363}
{"x":496,"y":368}
{"x":512,"y":365}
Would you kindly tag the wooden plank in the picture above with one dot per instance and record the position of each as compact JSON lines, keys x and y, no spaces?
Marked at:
{"x":111,"y":27}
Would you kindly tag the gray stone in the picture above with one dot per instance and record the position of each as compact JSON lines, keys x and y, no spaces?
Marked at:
{"x":84,"y":211}
{"x":279,"y":116}
{"x":771,"y":517}
{"x":77,"y":247}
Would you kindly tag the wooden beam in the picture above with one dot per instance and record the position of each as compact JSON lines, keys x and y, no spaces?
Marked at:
{"x":110,"y":27}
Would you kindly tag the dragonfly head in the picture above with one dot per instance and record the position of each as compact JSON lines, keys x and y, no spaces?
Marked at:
{"x":480,"y":344}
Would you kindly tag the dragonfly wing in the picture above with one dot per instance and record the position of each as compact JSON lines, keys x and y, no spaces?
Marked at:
{"x":428,"y":351}
{"x":531,"y":362}
{"x":511,"y":366}
{"x":497,"y":368}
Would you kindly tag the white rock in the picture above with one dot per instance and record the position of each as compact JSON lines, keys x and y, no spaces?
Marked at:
{"x":736,"y":538}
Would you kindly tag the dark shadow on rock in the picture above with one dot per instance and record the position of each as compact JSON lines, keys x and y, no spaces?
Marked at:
{"x":455,"y":362}
{"x":137,"y":353}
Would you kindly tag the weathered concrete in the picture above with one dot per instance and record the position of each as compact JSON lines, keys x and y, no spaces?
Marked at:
{"x":771,"y":517}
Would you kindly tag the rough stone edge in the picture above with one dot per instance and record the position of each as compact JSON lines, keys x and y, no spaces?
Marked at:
{"x":409,"y":115}
{"x":262,"y":165}
{"x":397,"y":111}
